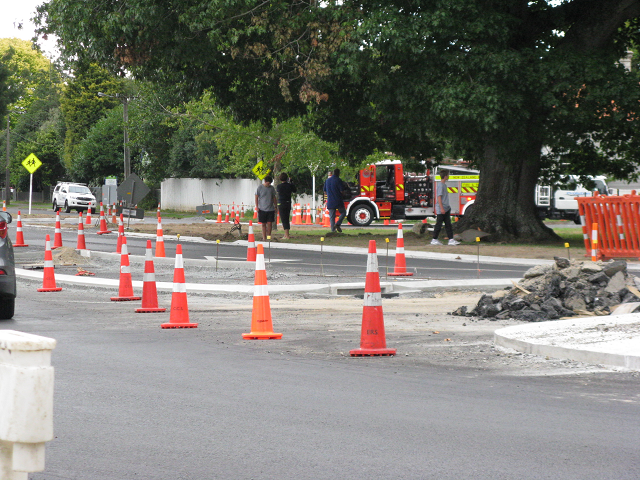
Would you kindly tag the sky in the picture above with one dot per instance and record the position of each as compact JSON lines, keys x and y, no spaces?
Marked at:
{"x":15,"y":12}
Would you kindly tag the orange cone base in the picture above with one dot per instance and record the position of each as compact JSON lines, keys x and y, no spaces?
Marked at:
{"x":124,"y":299}
{"x":373,"y":352}
{"x":102,"y":233}
{"x":150,"y":310}
{"x":20,"y":245}
{"x":262,"y":336}
{"x":56,"y":289}
{"x":404,"y":274}
{"x":179,"y":325}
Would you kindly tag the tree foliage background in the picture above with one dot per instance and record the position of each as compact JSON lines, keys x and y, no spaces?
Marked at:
{"x":492,"y":80}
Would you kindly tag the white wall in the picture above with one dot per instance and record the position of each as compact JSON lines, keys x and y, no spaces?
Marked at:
{"x":186,"y":193}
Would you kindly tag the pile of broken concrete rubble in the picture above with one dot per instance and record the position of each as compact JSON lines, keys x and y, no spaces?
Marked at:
{"x":563,"y":289}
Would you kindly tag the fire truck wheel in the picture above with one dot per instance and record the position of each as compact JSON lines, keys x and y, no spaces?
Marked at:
{"x":361,"y":215}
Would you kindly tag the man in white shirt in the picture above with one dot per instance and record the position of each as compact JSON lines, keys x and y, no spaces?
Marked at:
{"x":443,"y":211}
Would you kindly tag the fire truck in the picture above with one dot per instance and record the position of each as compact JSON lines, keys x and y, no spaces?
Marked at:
{"x":384,"y":191}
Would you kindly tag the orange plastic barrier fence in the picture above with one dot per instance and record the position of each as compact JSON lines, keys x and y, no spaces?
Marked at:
{"x":618,"y":219}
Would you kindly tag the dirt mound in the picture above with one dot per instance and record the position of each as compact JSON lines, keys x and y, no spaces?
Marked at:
{"x":564,"y":289}
{"x":68,"y":256}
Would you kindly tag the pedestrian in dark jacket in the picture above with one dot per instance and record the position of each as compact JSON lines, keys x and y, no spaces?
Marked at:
{"x":333,"y":187}
{"x":285,"y":188}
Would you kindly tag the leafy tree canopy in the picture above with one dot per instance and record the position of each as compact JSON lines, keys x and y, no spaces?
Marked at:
{"x":496,"y":80}
{"x":28,"y":68}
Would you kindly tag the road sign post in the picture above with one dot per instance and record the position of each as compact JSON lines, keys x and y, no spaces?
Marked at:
{"x":31,"y":163}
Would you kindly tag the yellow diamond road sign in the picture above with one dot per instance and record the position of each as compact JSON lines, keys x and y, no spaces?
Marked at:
{"x":31,"y":163}
{"x":261,"y":170}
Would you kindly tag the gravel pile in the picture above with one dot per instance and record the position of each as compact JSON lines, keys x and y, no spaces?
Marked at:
{"x":564,"y":289}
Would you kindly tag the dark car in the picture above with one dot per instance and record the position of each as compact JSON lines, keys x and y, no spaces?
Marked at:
{"x":7,"y":270}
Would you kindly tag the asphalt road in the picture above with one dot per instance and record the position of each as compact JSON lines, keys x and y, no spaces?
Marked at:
{"x":314,"y":262}
{"x":133,"y":401}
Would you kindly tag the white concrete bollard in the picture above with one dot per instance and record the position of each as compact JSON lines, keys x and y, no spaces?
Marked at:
{"x":26,"y":402}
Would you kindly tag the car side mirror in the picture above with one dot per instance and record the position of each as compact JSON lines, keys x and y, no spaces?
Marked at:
{"x":6,"y":217}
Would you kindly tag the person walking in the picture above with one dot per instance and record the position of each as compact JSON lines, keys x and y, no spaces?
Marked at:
{"x":333,"y":188}
{"x":285,"y":188}
{"x":266,"y":203}
{"x":443,"y":211}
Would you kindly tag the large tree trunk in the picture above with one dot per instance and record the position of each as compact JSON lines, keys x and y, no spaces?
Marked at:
{"x":505,"y":205}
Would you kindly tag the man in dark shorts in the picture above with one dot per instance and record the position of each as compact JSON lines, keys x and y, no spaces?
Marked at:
{"x":266,"y":203}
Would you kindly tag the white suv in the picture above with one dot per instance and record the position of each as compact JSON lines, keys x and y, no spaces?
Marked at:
{"x":73,"y":195}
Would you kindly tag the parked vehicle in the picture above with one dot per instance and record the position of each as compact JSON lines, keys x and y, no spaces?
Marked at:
{"x":555,"y":202}
{"x":7,"y":270}
{"x":75,"y":196}
{"x":385,"y":191}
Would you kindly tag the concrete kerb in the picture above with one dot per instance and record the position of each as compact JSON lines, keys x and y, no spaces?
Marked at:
{"x":597,"y":340}
{"x":363,"y":251}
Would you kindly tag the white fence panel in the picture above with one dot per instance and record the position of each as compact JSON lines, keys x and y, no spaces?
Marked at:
{"x":184,"y":194}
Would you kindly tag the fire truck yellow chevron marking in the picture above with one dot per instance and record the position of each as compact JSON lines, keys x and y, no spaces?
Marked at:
{"x":400,"y":186}
{"x":452,"y":189}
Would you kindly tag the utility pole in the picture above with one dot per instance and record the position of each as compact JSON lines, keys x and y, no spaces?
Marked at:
{"x":7,"y":182}
{"x":125,"y":114}
{"x":127,"y":156}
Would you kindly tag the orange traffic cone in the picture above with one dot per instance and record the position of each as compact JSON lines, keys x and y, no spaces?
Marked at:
{"x":57,"y":238}
{"x":149,"y":291}
{"x":103,"y":222}
{"x":114,"y":219}
{"x":49,"y":277}
{"x":308,"y":220}
{"x":226,"y":215}
{"x":4,"y":205}
{"x":158,"y":215}
{"x":319,"y":216}
{"x":327,"y":218}
{"x":219,"y":220}
{"x":299,"y":214}
{"x":88,"y":219}
{"x":400,"y":269}
{"x":251,"y":250}
{"x":261,"y":325}
{"x":81,"y":245}
{"x":255,"y":213}
{"x":19,"y":234}
{"x":159,"y":240}
{"x":125,"y":290}
{"x":372,"y":337}
{"x":179,"y":317}
{"x":120,"y":234}
{"x":233,"y":211}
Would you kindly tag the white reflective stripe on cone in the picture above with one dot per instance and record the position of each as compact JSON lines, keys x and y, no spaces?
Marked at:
{"x":179,"y":263}
{"x":399,"y":250}
{"x":179,"y":288}
{"x":48,"y":264}
{"x":261,"y":291}
{"x":125,"y":269}
{"x":149,"y":277}
{"x":372,"y":299}
{"x":260,"y":262}
{"x":372,"y":263}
